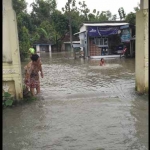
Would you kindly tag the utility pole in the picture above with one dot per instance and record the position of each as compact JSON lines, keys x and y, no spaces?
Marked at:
{"x":68,"y":11}
{"x":71,"y":45}
{"x":70,"y":29}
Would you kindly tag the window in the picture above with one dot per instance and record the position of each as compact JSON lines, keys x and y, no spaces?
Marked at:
{"x":101,"y":41}
{"x":125,"y":31}
{"x":82,"y":42}
{"x":105,"y":41}
{"x":97,"y":41}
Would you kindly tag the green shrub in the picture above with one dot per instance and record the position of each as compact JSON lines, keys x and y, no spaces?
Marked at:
{"x":8,"y":99}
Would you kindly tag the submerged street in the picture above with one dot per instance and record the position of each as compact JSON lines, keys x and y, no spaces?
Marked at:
{"x":82,"y":106}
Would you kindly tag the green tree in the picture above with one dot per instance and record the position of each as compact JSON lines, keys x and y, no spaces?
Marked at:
{"x":130,"y":18}
{"x":23,"y":24}
{"x":83,"y":10}
{"x":24,"y":19}
{"x":91,"y":17}
{"x":76,"y":21}
{"x":102,"y":16}
{"x":24,"y":43}
{"x":60,"y":23}
{"x":108,"y":14}
{"x":43,"y":8}
{"x":59,"y":27}
{"x":114,"y":17}
{"x":19,"y":6}
{"x":137,"y":8}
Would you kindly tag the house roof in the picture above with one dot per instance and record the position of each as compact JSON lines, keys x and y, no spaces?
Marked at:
{"x":43,"y":42}
{"x":79,"y":32}
{"x":105,"y":21}
{"x":67,"y":38}
{"x":102,"y":22}
{"x":105,"y":24}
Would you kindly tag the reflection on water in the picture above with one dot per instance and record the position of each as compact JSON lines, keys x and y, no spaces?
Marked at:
{"x":85,"y":106}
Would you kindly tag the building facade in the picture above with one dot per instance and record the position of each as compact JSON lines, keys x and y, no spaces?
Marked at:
{"x":102,"y":39}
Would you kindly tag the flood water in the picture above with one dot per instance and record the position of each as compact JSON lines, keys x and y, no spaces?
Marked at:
{"x":82,"y":106}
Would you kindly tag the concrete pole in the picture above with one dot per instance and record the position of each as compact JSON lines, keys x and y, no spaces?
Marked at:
{"x":12,"y":76}
{"x":49,"y":48}
{"x":70,"y":30}
{"x":141,"y":56}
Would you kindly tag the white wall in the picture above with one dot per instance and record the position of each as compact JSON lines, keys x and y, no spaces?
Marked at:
{"x":37,"y":48}
{"x":83,"y":28}
{"x":81,"y":36}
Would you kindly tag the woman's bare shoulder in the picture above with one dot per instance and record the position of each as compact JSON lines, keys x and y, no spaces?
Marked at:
{"x":28,"y":65}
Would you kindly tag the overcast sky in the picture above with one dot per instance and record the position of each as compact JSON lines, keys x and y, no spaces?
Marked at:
{"x":101,"y":5}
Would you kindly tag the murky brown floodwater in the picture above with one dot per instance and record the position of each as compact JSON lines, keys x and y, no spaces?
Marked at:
{"x":83,"y":107}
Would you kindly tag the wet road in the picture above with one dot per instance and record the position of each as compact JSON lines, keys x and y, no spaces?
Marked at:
{"x":83,"y":106}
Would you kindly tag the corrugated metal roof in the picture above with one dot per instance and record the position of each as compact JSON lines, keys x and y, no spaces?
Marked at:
{"x":108,"y":21}
{"x":104,"y":24}
{"x":115,"y":23}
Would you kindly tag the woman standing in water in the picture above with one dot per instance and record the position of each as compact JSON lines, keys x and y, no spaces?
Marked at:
{"x":32,"y":70}
{"x":102,"y":62}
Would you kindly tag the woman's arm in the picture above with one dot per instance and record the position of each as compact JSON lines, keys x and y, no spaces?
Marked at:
{"x":41,"y":70}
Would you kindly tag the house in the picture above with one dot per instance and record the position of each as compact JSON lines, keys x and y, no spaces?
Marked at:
{"x":63,"y":44}
{"x":43,"y":46}
{"x":66,"y":46}
{"x":100,"y":39}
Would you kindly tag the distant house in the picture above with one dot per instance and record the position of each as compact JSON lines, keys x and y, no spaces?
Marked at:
{"x":65,"y":46}
{"x":99,"y":39}
{"x":43,"y":46}
{"x":66,"y":42}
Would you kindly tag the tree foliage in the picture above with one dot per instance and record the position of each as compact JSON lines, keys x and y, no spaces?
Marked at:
{"x":19,"y":6}
{"x":137,"y":8}
{"x":24,"y":25}
{"x":24,"y":43}
{"x":130,"y":18}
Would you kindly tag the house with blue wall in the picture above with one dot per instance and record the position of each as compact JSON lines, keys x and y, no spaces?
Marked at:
{"x":103,"y":39}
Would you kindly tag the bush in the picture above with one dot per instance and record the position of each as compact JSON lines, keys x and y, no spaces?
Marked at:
{"x":8,"y":99}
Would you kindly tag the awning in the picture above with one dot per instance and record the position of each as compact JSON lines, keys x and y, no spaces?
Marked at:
{"x":124,"y":27}
{"x":68,"y":42}
{"x":79,"y":32}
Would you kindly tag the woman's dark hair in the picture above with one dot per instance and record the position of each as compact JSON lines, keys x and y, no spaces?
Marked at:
{"x":34,"y":57}
{"x":102,"y":59}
